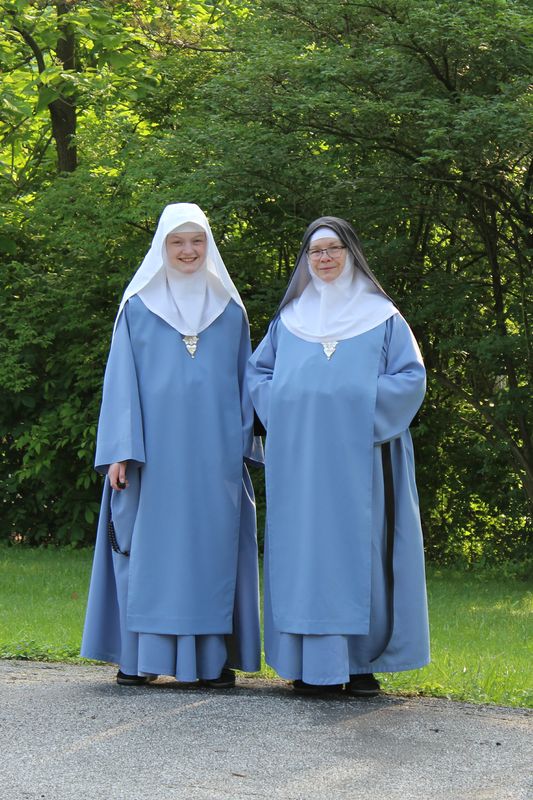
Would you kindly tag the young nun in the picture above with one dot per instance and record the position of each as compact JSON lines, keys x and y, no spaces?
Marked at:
{"x":336,"y":382}
{"x":174,"y":588}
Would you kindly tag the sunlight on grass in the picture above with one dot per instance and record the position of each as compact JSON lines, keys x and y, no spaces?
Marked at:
{"x":479,"y":626}
{"x":479,"y":641}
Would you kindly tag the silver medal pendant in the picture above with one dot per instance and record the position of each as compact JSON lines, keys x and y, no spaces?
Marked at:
{"x":329,"y":348}
{"x":191,"y":343}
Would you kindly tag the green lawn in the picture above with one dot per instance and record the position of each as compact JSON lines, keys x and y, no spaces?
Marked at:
{"x":42,"y":602}
{"x":479,"y":625}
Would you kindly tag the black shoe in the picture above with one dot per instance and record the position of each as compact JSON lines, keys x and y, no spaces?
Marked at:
{"x":131,"y":680}
{"x":363,"y":686}
{"x":226,"y":680}
{"x":301,"y":687}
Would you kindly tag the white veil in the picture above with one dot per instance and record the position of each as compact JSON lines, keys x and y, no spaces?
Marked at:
{"x":166,"y":293}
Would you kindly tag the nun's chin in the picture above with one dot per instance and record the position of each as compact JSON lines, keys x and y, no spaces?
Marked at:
{"x":328,"y":274}
{"x":187,"y":267}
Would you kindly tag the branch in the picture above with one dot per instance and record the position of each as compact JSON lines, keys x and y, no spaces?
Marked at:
{"x":528,"y":180}
{"x":32,"y":44}
{"x":39,"y":152}
{"x":169,"y":40}
{"x":199,"y":48}
{"x":5,"y":134}
{"x":458,"y":391}
{"x":143,"y":228}
{"x":430,"y":61}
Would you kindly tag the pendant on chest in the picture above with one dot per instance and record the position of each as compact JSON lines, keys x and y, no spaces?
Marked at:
{"x":191,"y":343}
{"x":329,"y":348}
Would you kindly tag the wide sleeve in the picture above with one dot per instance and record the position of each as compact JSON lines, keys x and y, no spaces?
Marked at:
{"x":402,"y":385}
{"x":252,"y":445}
{"x":120,"y":428}
{"x":260,"y":371}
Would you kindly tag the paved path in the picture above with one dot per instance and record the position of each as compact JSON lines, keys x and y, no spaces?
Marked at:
{"x":70,"y":733}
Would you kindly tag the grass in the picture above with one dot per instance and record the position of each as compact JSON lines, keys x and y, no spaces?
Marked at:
{"x":43,"y":594}
{"x":480,"y":641}
{"x":479,"y":625}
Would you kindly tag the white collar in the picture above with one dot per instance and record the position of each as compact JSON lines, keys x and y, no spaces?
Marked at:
{"x":331,"y":311}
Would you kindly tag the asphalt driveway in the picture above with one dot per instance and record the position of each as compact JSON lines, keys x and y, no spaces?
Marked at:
{"x":70,"y":733}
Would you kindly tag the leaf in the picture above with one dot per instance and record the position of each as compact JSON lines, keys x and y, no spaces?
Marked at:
{"x":18,"y":106}
{"x":46,"y":96}
{"x":119,"y":60}
{"x":7,"y":245}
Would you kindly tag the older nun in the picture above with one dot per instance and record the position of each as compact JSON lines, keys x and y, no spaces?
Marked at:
{"x":174,"y":588}
{"x":336,"y":382}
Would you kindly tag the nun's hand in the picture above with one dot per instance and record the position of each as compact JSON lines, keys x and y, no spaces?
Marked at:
{"x":117,"y":476}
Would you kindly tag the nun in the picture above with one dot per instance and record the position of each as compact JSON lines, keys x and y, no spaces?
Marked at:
{"x":336,"y":383}
{"x":174,"y":587}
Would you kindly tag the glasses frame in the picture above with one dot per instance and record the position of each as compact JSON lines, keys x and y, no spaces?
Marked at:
{"x":317,"y":254}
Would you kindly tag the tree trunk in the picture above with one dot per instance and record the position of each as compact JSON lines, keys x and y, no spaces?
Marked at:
{"x":63,"y":115}
{"x":63,"y":110}
{"x":489,"y":231}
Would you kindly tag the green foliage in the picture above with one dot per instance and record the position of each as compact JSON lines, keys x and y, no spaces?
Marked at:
{"x":409,"y":118}
{"x":412,"y":120}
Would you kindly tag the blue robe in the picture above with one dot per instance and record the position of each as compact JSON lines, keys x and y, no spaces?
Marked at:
{"x":327,"y":614}
{"x":185,"y":601}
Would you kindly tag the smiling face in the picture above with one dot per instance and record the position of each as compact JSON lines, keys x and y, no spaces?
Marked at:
{"x":327,"y":257}
{"x":186,"y":252}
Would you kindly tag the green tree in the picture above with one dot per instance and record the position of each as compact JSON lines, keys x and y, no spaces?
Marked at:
{"x":411,"y":119}
{"x":408,"y":117}
{"x":71,"y":241}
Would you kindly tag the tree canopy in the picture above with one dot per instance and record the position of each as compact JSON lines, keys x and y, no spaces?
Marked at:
{"x":410,"y":118}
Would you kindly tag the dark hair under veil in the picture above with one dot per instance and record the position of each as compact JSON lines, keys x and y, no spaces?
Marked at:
{"x":300,"y":276}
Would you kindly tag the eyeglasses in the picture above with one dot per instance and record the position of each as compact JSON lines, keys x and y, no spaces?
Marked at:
{"x":331,"y":252}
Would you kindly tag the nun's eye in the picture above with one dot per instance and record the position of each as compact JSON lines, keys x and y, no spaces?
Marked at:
{"x":331,"y":252}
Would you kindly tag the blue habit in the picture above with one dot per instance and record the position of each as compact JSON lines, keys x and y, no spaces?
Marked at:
{"x":185,"y":601}
{"x":326,"y":604}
